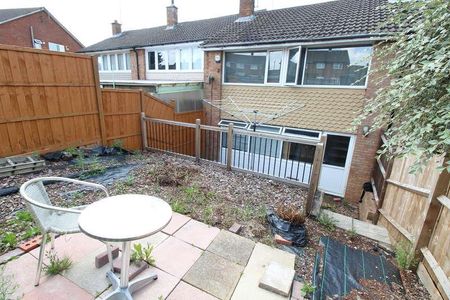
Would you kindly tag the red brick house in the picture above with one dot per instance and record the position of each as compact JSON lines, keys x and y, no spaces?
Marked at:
{"x":37,"y":28}
{"x":267,"y":61}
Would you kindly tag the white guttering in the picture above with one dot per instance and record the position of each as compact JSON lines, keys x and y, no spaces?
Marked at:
{"x":342,"y":42}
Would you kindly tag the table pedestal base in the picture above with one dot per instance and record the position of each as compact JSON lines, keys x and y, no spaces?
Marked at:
{"x":119,"y":293}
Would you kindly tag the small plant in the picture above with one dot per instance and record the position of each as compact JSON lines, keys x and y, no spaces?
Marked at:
{"x":129,"y":181}
{"x":307,"y":289}
{"x":57,"y":265}
{"x":291,"y":213}
{"x":31,"y":232}
{"x":326,"y":221}
{"x":142,"y":253}
{"x":80,"y":161}
{"x":24,"y":216}
{"x":7,"y":286}
{"x":72,"y":151}
{"x":207,"y":215}
{"x":77,"y":195}
{"x":352,"y":231}
{"x":192,"y":193}
{"x":118,"y":144}
{"x":405,"y":256}
{"x":9,"y":240}
{"x":179,"y":207}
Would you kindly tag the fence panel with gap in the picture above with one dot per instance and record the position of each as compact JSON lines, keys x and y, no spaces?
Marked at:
{"x":272,"y":155}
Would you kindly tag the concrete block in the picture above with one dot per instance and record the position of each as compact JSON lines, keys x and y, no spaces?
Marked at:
{"x":278,"y":279}
{"x":102,"y":258}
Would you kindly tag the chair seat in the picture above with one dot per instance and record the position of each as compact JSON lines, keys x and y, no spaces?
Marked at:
{"x":62,"y":223}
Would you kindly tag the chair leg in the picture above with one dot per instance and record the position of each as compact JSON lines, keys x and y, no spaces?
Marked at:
{"x":52,"y":238}
{"x":41,"y":258}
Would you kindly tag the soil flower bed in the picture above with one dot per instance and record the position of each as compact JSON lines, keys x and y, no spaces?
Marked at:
{"x":205,"y":192}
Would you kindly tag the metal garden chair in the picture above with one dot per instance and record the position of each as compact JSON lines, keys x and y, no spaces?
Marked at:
{"x":53,"y":219}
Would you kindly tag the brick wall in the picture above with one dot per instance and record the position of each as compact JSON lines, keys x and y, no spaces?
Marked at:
{"x":212,"y":90}
{"x":141,"y":59}
{"x":17,"y":32}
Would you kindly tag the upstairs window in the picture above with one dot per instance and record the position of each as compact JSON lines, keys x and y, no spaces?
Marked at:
{"x":114,"y":62}
{"x":162,"y":60}
{"x":293,"y":60}
{"x":274,"y":67}
{"x":151,"y":60}
{"x":337,"y":66}
{"x":56,"y":47}
{"x":245,"y":67}
{"x":176,"y":59}
{"x":172,"y":59}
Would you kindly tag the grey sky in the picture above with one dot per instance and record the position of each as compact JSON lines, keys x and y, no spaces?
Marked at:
{"x":90,"y":20}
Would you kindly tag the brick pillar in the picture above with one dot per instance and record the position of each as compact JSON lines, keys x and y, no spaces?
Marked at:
{"x":133,"y":61}
{"x":246,"y":8}
{"x":212,"y":89}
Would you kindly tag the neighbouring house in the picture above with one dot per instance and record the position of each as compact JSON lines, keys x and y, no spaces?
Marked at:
{"x":35,"y":27}
{"x":300,"y":72}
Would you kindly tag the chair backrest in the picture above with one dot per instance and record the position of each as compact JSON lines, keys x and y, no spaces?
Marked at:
{"x":34,"y":194}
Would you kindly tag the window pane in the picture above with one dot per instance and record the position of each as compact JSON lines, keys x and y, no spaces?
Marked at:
{"x":105,"y":62}
{"x":239,"y":141}
{"x":273,"y":72}
{"x":151,"y":60}
{"x":294,"y":55}
{"x":185,"y":58}
{"x":337,"y":66}
{"x":127,"y":61}
{"x":120,"y":61}
{"x":336,"y":150}
{"x":197,"y":58}
{"x":265,"y":146}
{"x":301,"y":132}
{"x":172,"y":59}
{"x":112,"y":59}
{"x":100,"y":63}
{"x":245,"y":67}
{"x":162,"y":59}
{"x":298,"y":152}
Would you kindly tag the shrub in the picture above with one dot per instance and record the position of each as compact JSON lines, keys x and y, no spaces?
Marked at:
{"x":405,"y":256}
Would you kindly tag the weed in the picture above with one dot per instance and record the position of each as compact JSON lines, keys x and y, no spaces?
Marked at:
{"x":94,"y":169}
{"x":120,"y":187}
{"x":129,"y":181}
{"x":31,"y":232}
{"x":326,"y":221}
{"x":207,"y":215}
{"x":24,"y":216}
{"x":118,"y":144}
{"x":72,"y":151}
{"x":352,"y":232}
{"x":7,"y":286}
{"x":179,"y":207}
{"x":57,"y":265}
{"x":307,"y":289}
{"x":80,"y":161}
{"x":405,"y":256}
{"x":77,"y":195}
{"x":142,"y":253}
{"x":9,"y":240}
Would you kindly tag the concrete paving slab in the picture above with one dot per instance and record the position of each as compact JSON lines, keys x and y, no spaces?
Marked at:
{"x":197,"y":233}
{"x":84,"y":274}
{"x":57,"y":288}
{"x":215,"y":275}
{"x":153,"y":240}
{"x":185,"y":291}
{"x":277,"y":279}
{"x":178,"y":220}
{"x":262,"y":255}
{"x":233,"y":247}
{"x":175,"y":256}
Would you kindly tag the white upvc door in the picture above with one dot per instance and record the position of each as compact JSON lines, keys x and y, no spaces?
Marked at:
{"x":333,"y":177}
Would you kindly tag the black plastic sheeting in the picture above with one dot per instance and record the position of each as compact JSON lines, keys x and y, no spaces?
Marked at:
{"x":89,"y":152}
{"x":343,"y":267}
{"x":291,"y":232}
{"x":8,"y":191}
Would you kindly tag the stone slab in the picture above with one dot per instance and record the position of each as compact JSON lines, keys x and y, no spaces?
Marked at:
{"x":197,"y":233}
{"x":297,"y":291}
{"x":233,"y":247}
{"x":177,"y":221}
{"x":57,"y":287}
{"x":153,"y":240}
{"x":235,"y":228}
{"x":175,"y":256}
{"x":10,"y":254}
{"x":278,"y":279}
{"x":185,"y":291}
{"x":215,"y":275}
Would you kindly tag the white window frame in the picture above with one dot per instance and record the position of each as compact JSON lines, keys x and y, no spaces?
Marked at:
{"x":221,"y":123}
{"x":177,"y":48}
{"x":357,"y":87}
{"x":287,"y":64}
{"x":301,"y":135}
{"x":280,"y":128}
{"x":58,"y":46}
{"x":116,"y":57}
{"x":266,"y":73}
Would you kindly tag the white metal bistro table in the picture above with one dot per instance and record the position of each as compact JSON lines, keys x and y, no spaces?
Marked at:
{"x":125,"y":218}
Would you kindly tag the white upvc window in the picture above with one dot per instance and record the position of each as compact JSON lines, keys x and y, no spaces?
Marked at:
{"x":56,"y":47}
{"x":114,"y":62}
{"x":173,"y":59}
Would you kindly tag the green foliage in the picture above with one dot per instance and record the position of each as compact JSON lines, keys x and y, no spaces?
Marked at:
{"x":405,"y":256}
{"x":72,"y":151}
{"x":80,"y":161}
{"x":93,"y":169}
{"x":118,"y":144}
{"x":129,"y":181}
{"x":7,"y":286}
{"x":326,"y":221}
{"x":416,"y":105}
{"x":352,"y":232}
{"x":24,"y":216}
{"x":307,"y":289}
{"x":57,"y":265}
{"x":208,"y":215}
{"x":31,"y":232}
{"x":9,"y":240}
{"x":142,"y":253}
{"x":179,"y":207}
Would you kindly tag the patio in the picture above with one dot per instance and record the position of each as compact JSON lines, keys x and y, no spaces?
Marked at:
{"x":193,"y":261}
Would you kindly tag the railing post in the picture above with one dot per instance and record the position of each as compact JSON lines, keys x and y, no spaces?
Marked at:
{"x":144,"y":131}
{"x":229,"y":146}
{"x":197,"y":140}
{"x":315,"y":175}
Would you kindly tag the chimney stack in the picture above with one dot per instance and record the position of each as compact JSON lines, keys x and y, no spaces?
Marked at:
{"x":172,"y":15}
{"x":246,"y":8}
{"x":116,"y":27}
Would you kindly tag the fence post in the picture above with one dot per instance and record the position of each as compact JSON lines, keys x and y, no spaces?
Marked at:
{"x":144,"y":131}
{"x":229,"y":145}
{"x":315,"y":175}
{"x":101,"y":115}
{"x":197,"y":140}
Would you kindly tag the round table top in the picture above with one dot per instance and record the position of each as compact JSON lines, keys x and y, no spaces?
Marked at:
{"x":125,"y":217}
